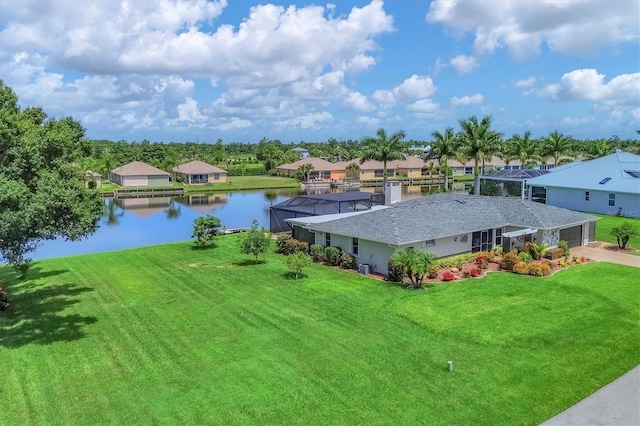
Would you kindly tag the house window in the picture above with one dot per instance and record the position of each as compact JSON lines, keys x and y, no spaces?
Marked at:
{"x":327,"y":240}
{"x":482,"y":240}
{"x":468,"y":170}
{"x":586,"y":195}
{"x":612,"y":200}
{"x":429,"y":243}
{"x":216,"y":176}
{"x":378,"y":173}
{"x":498,"y":237}
{"x":354,"y":246}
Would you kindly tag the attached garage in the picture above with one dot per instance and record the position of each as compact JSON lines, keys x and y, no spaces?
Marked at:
{"x":573,"y":235}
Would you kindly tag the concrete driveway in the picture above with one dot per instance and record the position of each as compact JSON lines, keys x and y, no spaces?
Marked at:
{"x":603,"y":255}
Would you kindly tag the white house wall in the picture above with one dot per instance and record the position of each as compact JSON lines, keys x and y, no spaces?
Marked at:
{"x":443,"y":247}
{"x":573,"y":199}
{"x":134,"y":181}
{"x":376,"y":254}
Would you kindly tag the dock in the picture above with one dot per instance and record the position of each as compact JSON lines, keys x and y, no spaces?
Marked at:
{"x":121,"y":193}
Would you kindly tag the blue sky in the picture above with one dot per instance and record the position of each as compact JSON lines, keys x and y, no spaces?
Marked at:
{"x":187,"y":70}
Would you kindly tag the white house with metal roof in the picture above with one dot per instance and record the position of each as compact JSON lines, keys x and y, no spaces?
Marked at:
{"x":607,"y":185}
{"x":446,"y":225}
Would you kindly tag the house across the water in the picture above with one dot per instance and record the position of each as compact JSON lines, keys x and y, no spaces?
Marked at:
{"x":138,"y":173}
{"x":199,"y":172}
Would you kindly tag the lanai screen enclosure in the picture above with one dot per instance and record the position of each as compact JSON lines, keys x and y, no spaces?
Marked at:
{"x":320,"y":204}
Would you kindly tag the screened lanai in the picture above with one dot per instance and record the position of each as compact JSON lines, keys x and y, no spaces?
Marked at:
{"x":320,"y":204}
{"x":513,"y":182}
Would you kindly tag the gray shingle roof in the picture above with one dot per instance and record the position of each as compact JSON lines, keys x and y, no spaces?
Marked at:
{"x":442,"y":215}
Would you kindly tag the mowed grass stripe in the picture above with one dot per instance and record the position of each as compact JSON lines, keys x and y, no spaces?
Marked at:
{"x":168,"y":334}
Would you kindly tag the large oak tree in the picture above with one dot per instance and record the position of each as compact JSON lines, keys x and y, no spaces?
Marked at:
{"x":42,"y":194}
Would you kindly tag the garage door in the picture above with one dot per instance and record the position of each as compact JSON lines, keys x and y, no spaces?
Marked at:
{"x":573,"y":236}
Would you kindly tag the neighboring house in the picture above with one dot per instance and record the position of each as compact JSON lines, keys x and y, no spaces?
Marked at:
{"x":204,"y":203}
{"x":607,"y":185}
{"x":93,"y":179}
{"x":199,"y":172}
{"x":371,"y":169}
{"x":303,"y":152}
{"x":138,"y":173}
{"x":323,"y":170}
{"x":491,"y":165}
{"x":412,"y":167}
{"x":446,"y":225}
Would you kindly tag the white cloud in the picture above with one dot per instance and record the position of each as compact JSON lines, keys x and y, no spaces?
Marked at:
{"x":356,"y":101}
{"x":189,"y":111}
{"x":423,"y":106}
{"x":567,"y":26}
{"x":526,"y":82}
{"x":577,"y":121}
{"x":307,"y":121}
{"x":234,"y":123}
{"x":464,"y":64}
{"x":589,"y":85}
{"x":368,"y":121}
{"x":415,"y":87}
{"x":466,"y":100}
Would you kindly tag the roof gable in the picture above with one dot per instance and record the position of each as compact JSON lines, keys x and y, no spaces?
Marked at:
{"x":197,"y":167}
{"x":138,"y":168}
{"x":317,"y":163}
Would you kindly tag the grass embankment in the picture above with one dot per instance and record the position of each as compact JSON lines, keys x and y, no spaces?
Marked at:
{"x":169,"y":334}
{"x":607,"y":223}
{"x":234,"y":183}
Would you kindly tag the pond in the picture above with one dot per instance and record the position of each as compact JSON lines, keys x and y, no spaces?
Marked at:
{"x":137,"y":222}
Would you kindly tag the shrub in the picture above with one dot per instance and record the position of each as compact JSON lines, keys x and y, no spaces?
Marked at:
{"x":205,"y":229}
{"x":539,"y":269}
{"x":509,"y":260}
{"x":521,"y":268}
{"x":497,"y":251}
{"x":332,"y":254}
{"x":297,"y":261}
{"x":525,"y":257}
{"x":347,"y":261}
{"x":537,"y":251}
{"x":624,"y":233}
{"x":482,"y":259}
{"x":474,"y":273}
{"x":455,"y":261}
{"x":562,"y":244}
{"x":292,"y":246}
{"x":281,"y":242}
{"x":448,"y":276}
{"x":317,"y":252}
{"x":432,"y":272}
{"x":554,"y":253}
{"x":466,"y":274}
{"x":396,"y":272}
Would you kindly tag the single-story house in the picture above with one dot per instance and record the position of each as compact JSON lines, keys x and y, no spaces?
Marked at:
{"x":323,"y":170}
{"x":199,"y":172}
{"x":607,"y":185}
{"x":138,"y":173}
{"x":203,"y":203}
{"x":446,"y":225}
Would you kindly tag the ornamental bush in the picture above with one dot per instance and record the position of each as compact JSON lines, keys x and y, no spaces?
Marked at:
{"x":474,"y":273}
{"x":562,"y":244}
{"x":509,"y":260}
{"x":521,"y":268}
{"x":525,"y":257}
{"x":317,"y":252}
{"x":482,"y":260}
{"x":281,"y":242}
{"x":448,"y":276}
{"x":396,"y":272}
{"x":455,"y":261}
{"x":332,"y":254}
{"x":294,"y":246}
{"x":347,"y":261}
{"x":539,"y":269}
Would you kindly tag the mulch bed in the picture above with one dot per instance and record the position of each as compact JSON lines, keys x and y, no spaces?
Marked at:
{"x":612,"y":247}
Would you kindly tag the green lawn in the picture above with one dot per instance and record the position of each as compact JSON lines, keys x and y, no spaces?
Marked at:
{"x":607,"y":223}
{"x":234,"y":183}
{"x":172,"y":335}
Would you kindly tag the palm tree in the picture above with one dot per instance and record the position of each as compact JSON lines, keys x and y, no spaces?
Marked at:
{"x":444,"y":147}
{"x":415,"y":264}
{"x":478,"y":143}
{"x":598,"y":148}
{"x":304,"y":170}
{"x":384,"y":149}
{"x":556,"y":145}
{"x":526,"y":149}
{"x":506,"y":151}
{"x":353,"y":171}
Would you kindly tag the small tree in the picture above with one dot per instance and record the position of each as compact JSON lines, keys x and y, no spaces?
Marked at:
{"x":625,"y":232}
{"x":415,"y":265}
{"x":537,"y":251}
{"x":205,"y":229}
{"x":297,"y":261}
{"x":256,"y":242}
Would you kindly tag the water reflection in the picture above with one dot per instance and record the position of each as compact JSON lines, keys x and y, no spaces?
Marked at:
{"x":136,"y":222}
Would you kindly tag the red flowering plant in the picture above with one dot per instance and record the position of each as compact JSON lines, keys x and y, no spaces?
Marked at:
{"x":482,"y":260}
{"x":448,"y":276}
{"x":474,"y":273}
